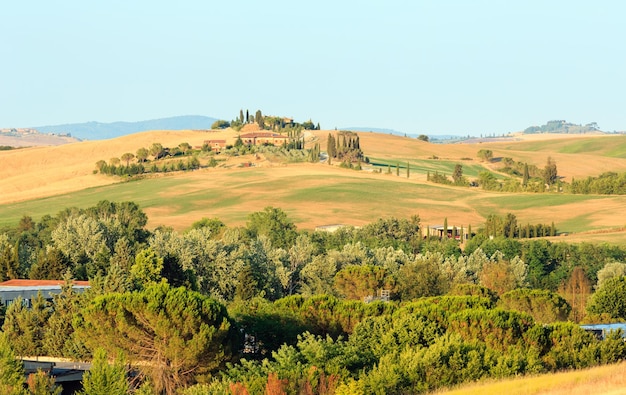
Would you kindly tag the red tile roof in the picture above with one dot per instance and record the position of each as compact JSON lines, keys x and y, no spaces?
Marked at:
{"x":262,"y":134}
{"x":18,"y":282}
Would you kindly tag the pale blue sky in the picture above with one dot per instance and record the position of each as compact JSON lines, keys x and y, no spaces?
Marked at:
{"x":434,"y":67}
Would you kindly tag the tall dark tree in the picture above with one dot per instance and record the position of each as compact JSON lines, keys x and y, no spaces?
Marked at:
{"x":550,"y":172}
{"x":259,"y":119}
{"x":241,"y":115}
{"x":331,"y":146}
{"x":526,"y":175}
{"x":457,"y":175}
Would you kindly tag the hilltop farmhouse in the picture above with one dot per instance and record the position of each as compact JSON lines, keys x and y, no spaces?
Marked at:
{"x":261,"y":138}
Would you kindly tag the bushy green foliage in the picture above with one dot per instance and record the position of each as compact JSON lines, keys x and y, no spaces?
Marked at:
{"x":499,"y":329}
{"x":273,"y":223}
{"x":610,"y":299}
{"x":103,"y":378}
{"x":544,"y":306}
{"x":11,"y":369}
{"x":351,"y":346}
{"x":359,"y":281}
{"x":176,"y":335}
{"x":609,"y":183}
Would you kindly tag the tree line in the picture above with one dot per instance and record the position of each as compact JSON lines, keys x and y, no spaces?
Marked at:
{"x":277,"y":124}
{"x":291,"y":302}
{"x":122,"y":166}
{"x":345,"y":147}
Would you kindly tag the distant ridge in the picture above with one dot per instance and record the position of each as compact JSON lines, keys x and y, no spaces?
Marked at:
{"x":562,"y":126}
{"x":101,"y":131}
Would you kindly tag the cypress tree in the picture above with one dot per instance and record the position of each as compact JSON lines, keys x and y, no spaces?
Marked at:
{"x":469,"y":231}
{"x":397,"y":169}
{"x":445,"y":227}
{"x":526,"y":175}
{"x":408,"y":169}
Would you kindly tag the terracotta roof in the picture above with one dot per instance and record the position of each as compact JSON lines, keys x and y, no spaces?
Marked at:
{"x":260,"y":134}
{"x":214,"y":141}
{"x":17,"y":282}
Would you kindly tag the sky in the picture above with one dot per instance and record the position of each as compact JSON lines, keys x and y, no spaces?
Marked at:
{"x":432,"y":67}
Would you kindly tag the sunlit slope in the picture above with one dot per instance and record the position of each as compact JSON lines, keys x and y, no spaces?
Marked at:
{"x":44,"y":171}
{"x":602,"y":380}
{"x":318,"y":194}
{"x":45,"y":180}
{"x":578,"y":156}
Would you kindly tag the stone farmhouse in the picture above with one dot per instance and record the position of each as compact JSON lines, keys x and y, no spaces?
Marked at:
{"x":261,"y":138}
{"x":216,"y":145}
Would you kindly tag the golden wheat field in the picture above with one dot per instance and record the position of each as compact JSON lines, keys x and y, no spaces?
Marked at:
{"x":603,"y":380}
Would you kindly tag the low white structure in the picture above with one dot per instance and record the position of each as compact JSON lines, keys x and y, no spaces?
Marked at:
{"x":27,"y":290}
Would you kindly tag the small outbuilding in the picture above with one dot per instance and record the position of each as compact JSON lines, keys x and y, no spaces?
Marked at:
{"x":27,"y":290}
{"x":601,"y":331}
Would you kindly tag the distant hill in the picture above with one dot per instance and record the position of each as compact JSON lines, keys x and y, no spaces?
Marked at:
{"x":562,"y":126}
{"x":101,"y":131}
{"x":375,"y":130}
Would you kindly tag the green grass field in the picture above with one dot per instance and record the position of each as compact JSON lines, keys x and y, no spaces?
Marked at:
{"x":343,"y":196}
{"x":609,"y":146}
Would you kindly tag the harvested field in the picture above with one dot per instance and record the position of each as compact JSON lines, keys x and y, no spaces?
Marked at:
{"x":44,"y":180}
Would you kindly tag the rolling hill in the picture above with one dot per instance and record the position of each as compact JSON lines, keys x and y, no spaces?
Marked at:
{"x":44,"y":180}
{"x":102,"y":131}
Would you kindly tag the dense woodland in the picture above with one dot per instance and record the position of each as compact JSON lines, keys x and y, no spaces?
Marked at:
{"x":268,"y":308}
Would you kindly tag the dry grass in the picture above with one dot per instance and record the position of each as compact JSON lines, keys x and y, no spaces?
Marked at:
{"x":604,"y":380}
{"x":315,"y":194}
{"x":38,"y":172}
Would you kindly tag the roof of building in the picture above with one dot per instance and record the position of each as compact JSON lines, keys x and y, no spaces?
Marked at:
{"x":263,"y":134}
{"x":18,"y":282}
{"x":214,"y":141}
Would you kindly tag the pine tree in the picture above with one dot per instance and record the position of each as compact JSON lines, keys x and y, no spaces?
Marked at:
{"x":11,"y":369}
{"x":41,"y":384}
{"x":105,"y":379}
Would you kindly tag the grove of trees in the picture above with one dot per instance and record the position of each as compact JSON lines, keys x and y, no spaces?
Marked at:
{"x":268,"y":307}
